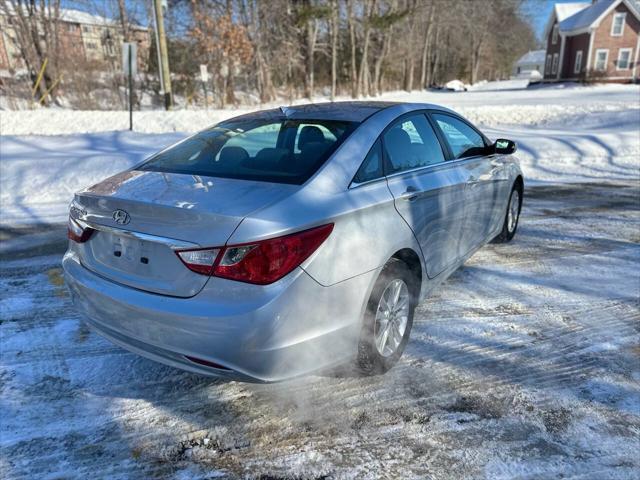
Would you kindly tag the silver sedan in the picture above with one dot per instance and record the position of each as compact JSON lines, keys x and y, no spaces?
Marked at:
{"x":289,"y":241}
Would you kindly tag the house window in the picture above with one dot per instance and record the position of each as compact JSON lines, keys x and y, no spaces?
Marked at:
{"x":547,"y":67}
{"x":578,"y":65}
{"x":602,"y":56}
{"x":617,"y":26}
{"x":554,"y":34}
{"x":624,"y":59}
{"x":554,"y":67}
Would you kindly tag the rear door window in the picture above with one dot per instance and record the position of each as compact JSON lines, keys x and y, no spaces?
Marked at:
{"x":371,"y":168}
{"x":281,"y":151}
{"x":464,"y":141}
{"x":411,"y":143}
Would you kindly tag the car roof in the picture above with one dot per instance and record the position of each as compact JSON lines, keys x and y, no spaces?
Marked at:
{"x":350,"y":111}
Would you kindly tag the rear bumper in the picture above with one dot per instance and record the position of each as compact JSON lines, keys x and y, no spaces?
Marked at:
{"x":257,"y":333}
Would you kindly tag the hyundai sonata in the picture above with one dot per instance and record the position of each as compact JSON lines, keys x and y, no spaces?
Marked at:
{"x":288,"y":241}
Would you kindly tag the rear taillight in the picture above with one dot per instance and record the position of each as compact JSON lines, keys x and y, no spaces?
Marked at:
{"x":260,"y":262}
{"x":200,"y":261}
{"x":77,"y":232}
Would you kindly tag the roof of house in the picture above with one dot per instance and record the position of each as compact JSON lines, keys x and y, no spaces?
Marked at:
{"x":78,"y":16}
{"x":532,"y":57}
{"x":585,"y":17}
{"x":71,"y":15}
{"x":566,"y":10}
{"x":562,"y":11}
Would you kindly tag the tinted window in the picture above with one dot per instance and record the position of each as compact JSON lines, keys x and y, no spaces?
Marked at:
{"x":284,"y":151}
{"x":371,"y":168}
{"x":463,"y":140}
{"x":412,"y":143}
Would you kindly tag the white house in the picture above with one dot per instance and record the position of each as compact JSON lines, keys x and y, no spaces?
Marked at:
{"x":530,"y":65}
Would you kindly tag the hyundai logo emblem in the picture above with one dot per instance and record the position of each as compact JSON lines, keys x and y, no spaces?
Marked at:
{"x":121,"y":217}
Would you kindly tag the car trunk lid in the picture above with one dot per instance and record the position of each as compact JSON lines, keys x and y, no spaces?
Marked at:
{"x":142,"y":218}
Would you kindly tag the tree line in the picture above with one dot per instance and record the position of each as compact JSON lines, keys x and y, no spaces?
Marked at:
{"x":288,"y":49}
{"x":301,"y":48}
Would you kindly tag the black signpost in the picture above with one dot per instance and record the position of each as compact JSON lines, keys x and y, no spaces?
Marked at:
{"x":129,"y":67}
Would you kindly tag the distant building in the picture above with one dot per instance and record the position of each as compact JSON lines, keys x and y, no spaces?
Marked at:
{"x":596,"y":40}
{"x":530,"y":65}
{"x":82,"y":36}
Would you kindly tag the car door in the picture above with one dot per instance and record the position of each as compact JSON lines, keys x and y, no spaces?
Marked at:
{"x":427,"y":190}
{"x":471,"y":152}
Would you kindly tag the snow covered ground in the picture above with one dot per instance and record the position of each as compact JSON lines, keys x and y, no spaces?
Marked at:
{"x":524,"y":364}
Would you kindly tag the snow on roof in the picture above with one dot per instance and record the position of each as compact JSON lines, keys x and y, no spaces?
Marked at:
{"x":562,"y":11}
{"x":72,"y":16}
{"x":532,"y":57}
{"x":566,"y":10}
{"x":586,"y":17}
{"x":78,"y":16}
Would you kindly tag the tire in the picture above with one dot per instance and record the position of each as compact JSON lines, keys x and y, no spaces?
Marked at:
{"x":507,"y":234}
{"x":370,"y":360}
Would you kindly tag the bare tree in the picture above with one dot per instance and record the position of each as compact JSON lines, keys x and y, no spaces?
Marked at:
{"x":363,"y":71}
{"x":335,"y":32}
{"x":36,"y":28}
{"x":291,"y":48}
{"x":352,"y":45}
{"x":123,"y":20}
{"x":427,"y":38}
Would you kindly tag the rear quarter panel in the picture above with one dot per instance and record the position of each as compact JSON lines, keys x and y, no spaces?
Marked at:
{"x":368,"y":230}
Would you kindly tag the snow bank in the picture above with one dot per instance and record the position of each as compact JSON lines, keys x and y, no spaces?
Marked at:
{"x":597,"y":147}
{"x":38,"y":175}
{"x":484,"y":106}
{"x":513,"y":84}
{"x":62,"y":122}
{"x":580,"y":134}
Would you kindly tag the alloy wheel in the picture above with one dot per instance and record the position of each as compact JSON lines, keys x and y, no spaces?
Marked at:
{"x":391,"y":317}
{"x":513,"y":211}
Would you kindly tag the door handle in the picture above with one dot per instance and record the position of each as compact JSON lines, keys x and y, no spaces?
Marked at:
{"x":472,"y":180}
{"x":410,"y":194}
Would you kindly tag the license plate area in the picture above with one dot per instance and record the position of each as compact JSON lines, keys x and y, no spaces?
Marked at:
{"x":129,"y":249}
{"x":140,"y":263}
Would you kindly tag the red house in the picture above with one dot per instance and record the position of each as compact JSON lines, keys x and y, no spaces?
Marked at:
{"x":596,"y":40}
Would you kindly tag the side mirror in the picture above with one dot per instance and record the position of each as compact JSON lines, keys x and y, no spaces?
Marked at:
{"x":504,"y":146}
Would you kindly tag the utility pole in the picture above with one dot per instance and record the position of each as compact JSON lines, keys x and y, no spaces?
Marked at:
{"x":163,"y":55}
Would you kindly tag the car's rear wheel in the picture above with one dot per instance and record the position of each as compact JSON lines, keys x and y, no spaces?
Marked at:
{"x":512,"y":216}
{"x":388,"y":319}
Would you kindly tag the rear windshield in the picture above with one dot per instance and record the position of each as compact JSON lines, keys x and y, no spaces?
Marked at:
{"x":282,"y":151}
